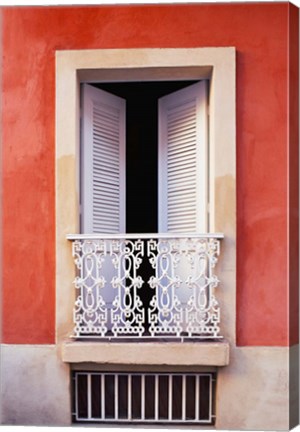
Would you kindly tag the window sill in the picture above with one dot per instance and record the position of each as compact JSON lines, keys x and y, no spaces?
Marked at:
{"x":147,"y":353}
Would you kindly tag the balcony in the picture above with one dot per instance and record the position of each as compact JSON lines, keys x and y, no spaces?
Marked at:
{"x":150,"y":287}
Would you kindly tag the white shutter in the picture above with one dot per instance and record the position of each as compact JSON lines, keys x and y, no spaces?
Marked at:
{"x":183,"y":160}
{"x":102,"y":162}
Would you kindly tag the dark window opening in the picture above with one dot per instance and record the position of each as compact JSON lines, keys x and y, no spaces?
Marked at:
{"x":141,"y":148}
{"x":178,"y":398}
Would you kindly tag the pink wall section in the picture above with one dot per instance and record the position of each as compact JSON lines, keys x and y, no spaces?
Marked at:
{"x":30,"y":37}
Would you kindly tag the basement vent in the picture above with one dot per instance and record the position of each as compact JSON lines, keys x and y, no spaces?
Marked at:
{"x":143,"y":397}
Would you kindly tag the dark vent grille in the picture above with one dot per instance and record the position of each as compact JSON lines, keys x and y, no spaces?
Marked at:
{"x":143,"y":397}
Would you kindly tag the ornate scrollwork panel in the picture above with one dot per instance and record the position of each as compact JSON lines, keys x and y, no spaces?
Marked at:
{"x":109,"y":279}
{"x":127,"y":312}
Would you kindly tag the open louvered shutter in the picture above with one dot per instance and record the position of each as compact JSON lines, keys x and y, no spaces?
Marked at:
{"x":183,"y":160}
{"x":102,"y":162}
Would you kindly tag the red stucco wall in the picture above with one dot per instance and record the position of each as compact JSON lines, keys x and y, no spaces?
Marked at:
{"x":293,"y":198}
{"x":30,"y":37}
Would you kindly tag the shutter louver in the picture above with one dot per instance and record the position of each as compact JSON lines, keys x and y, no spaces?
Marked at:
{"x":183,"y":160}
{"x":103,"y":154}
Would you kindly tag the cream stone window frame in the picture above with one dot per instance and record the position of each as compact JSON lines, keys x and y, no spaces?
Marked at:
{"x":108,"y":65}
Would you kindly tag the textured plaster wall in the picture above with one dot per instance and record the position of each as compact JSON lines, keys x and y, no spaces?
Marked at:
{"x":35,"y":386}
{"x":252,"y":392}
{"x":30,"y":38}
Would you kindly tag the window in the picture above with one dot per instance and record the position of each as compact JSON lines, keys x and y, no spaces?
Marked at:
{"x":129,"y":181}
{"x":74,"y":68}
{"x":148,"y":397}
{"x":143,"y":167}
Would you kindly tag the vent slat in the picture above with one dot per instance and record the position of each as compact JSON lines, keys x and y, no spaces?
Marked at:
{"x":183,"y":110}
{"x":103,"y":178}
{"x":182,"y":136}
{"x":109,"y":144}
{"x":183,"y":131}
{"x":106,"y":112}
{"x":112,"y":152}
{"x":109,"y":187}
{"x":99,"y":162}
{"x":184,"y":155}
{"x":186,"y":146}
{"x":183,"y":119}
{"x":182,"y":174}
{"x":107,"y":120}
{"x":181,"y":141}
{"x":103,"y":125}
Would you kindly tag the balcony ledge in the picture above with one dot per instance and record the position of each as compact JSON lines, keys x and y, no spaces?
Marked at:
{"x":147,"y":353}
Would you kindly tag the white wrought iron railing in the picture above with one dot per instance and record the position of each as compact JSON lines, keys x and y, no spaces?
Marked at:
{"x":146,"y":286}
